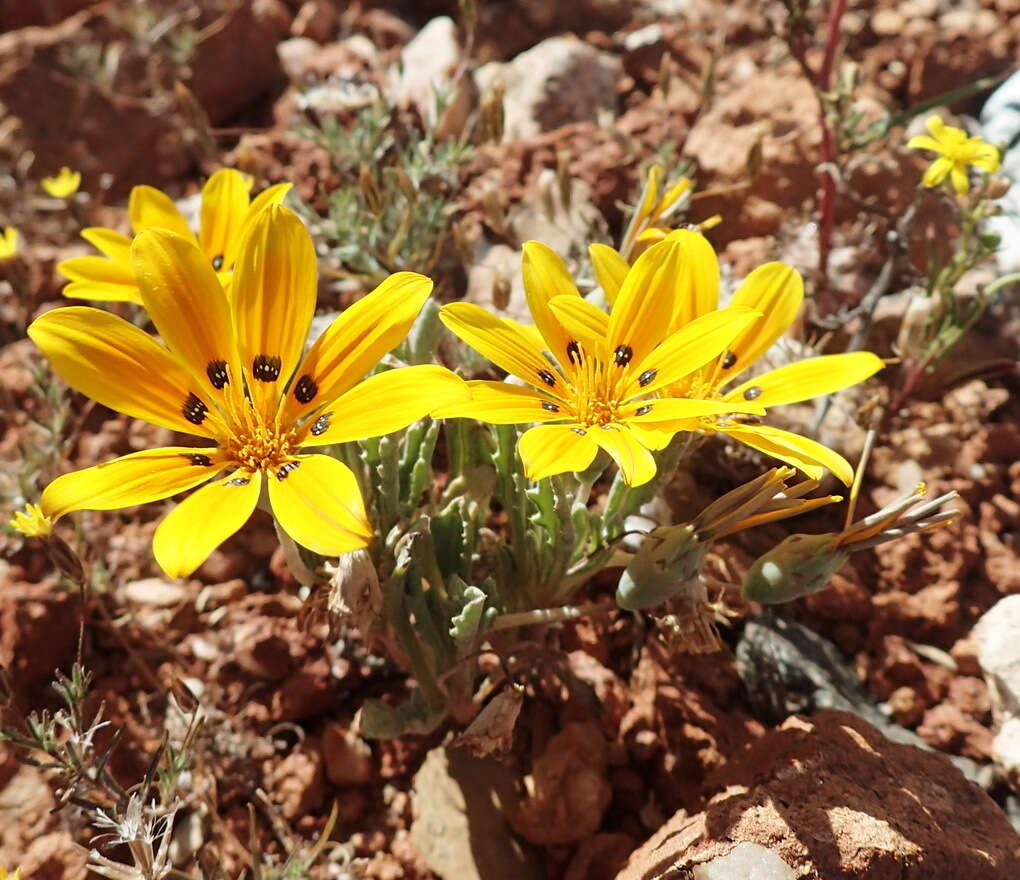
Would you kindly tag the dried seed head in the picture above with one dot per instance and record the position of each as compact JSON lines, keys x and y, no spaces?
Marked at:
{"x":355,"y":597}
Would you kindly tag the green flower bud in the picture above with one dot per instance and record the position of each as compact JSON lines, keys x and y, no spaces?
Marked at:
{"x":668,"y":559}
{"x":799,"y":566}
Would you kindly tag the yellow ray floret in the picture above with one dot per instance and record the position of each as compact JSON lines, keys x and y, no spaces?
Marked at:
{"x":774,"y":292}
{"x":8,"y":243}
{"x":602,"y":389}
{"x":956,"y":153}
{"x":62,"y":185}
{"x":32,"y":523}
{"x":226,"y":213}
{"x":232,"y":372}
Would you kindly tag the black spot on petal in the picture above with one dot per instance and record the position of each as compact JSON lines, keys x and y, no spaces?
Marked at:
{"x":752,"y":393}
{"x":549,"y":406}
{"x":579,"y":431}
{"x":217,"y":262}
{"x":197,"y":459}
{"x":647,"y":377}
{"x":729,"y":360}
{"x":305,"y":389}
{"x":321,"y":424}
{"x":547,"y":377}
{"x":286,"y":470}
{"x":643,"y":410}
{"x":217,"y":373}
{"x":238,"y":481}
{"x":573,"y":352}
{"x":194,"y":409}
{"x":622,"y":355}
{"x":266,"y":368}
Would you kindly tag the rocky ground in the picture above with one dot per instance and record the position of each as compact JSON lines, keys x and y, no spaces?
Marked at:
{"x":868,"y":731}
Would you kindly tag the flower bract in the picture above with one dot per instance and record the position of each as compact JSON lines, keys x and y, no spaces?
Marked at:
{"x":605,"y":386}
{"x":227,"y":211}
{"x":956,"y":153}
{"x":231,"y":372}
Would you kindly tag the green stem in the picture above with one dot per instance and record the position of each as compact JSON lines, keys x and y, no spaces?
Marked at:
{"x":549,"y":615}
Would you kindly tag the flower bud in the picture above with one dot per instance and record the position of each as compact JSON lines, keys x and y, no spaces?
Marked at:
{"x":798,"y":566}
{"x":355,"y":596}
{"x":669,"y":558}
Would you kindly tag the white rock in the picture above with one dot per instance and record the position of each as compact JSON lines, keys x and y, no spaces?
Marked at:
{"x":156,"y":592}
{"x":559,"y":81}
{"x":1000,"y":123}
{"x":428,"y":65}
{"x":746,"y":861}
{"x":998,"y":640}
{"x":1006,"y":746}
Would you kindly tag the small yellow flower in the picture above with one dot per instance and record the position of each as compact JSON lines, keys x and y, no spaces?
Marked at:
{"x":651,"y":221}
{"x":235,"y":373}
{"x":5,"y":876}
{"x":956,"y":152}
{"x":32,"y":523}
{"x":605,"y":387}
{"x":774,"y":292}
{"x":226,"y":213}
{"x":64,"y":185}
{"x":8,"y":248}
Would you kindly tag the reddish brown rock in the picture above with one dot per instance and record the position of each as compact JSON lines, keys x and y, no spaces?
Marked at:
{"x":835,"y":800}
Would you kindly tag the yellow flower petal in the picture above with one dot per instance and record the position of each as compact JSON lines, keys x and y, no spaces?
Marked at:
{"x":503,"y":344}
{"x":697,"y":286}
{"x":113,"y":362}
{"x":610,"y":269}
{"x":688,"y":349}
{"x":224,"y":211}
{"x":99,"y":278}
{"x":272,"y":299}
{"x":923,"y":142}
{"x":646,"y":304}
{"x":355,"y":342}
{"x":110,"y":243}
{"x":635,"y":462}
{"x":387,"y":402}
{"x":937,"y":171}
{"x":500,"y":403}
{"x":667,"y":410}
{"x":149,"y":208}
{"x":651,"y":437}
{"x":319,"y":505}
{"x":529,"y":331}
{"x":556,"y":449}
{"x":187,"y":304}
{"x":775,"y":290}
{"x":133,"y":479}
{"x":584,"y":323}
{"x":8,"y":243}
{"x":961,"y":183}
{"x":545,"y":276}
{"x":809,"y":378}
{"x":203,"y":521}
{"x":64,"y":184}
{"x":987,"y":158}
{"x":936,"y":126}
{"x":808,"y":455}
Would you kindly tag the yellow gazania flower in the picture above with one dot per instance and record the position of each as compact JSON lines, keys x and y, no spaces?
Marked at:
{"x":226,"y":212}
{"x":775,"y":291}
{"x":8,"y":243}
{"x":64,"y":184}
{"x":599,"y":391}
{"x":32,"y":523}
{"x":956,"y":152}
{"x":232,"y":372}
